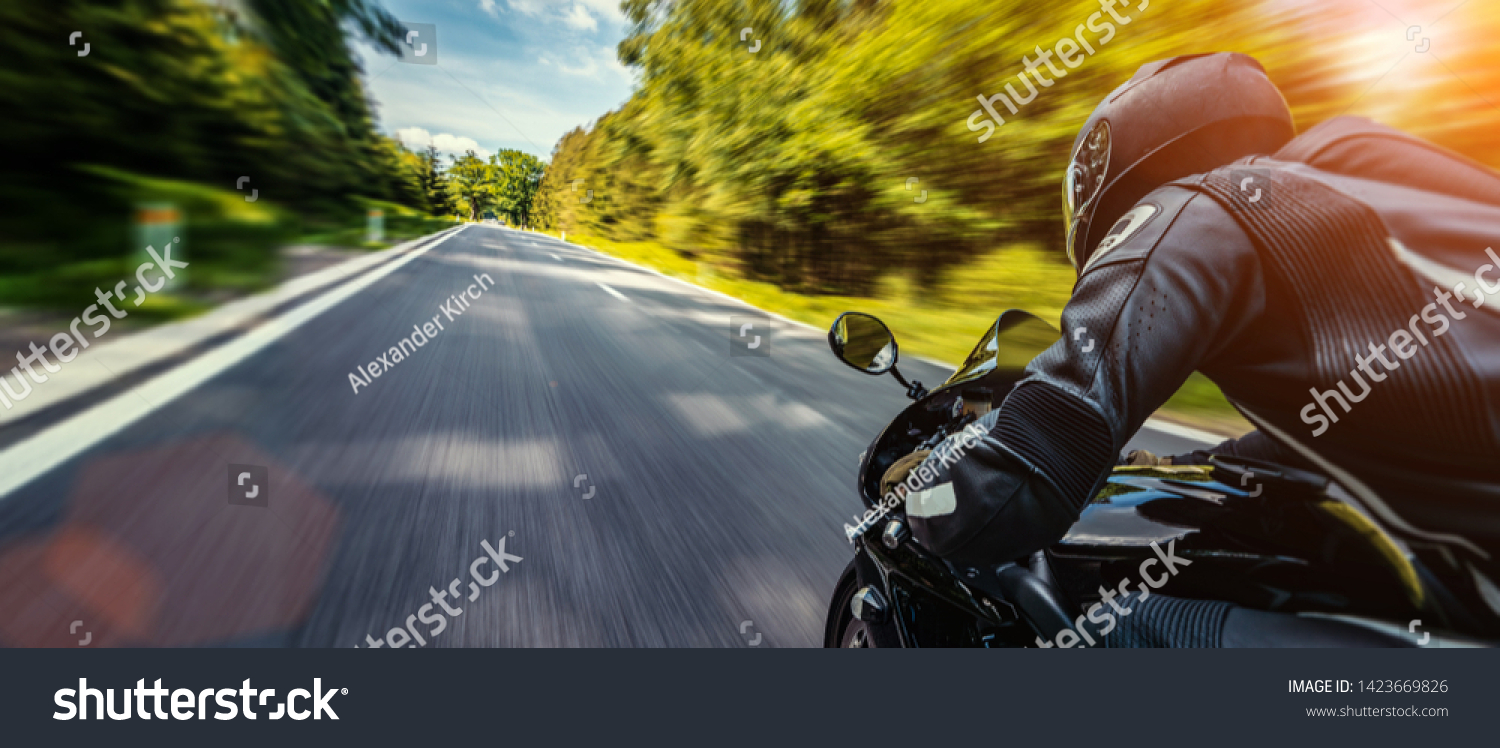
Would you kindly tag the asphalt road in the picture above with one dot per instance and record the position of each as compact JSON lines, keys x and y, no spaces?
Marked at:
{"x":658,"y":491}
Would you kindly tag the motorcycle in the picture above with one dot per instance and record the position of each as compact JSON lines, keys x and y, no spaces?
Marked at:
{"x":1263,"y":536}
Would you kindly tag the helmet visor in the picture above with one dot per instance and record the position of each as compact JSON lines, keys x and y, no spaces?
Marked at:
{"x":1081,"y":188}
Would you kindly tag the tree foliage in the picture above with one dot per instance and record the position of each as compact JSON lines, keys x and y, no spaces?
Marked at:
{"x":517,"y":175}
{"x":434,"y":183}
{"x":263,"y":95}
{"x":833,"y":142}
{"x":472,"y":184}
{"x":506,"y":184}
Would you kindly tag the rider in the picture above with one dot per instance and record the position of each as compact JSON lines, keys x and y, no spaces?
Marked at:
{"x":1341,"y":291}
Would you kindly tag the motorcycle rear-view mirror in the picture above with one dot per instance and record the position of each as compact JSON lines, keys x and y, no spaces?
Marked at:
{"x":863,"y":342}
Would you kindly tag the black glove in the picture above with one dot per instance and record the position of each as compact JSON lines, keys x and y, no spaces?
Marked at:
{"x":1003,"y":506}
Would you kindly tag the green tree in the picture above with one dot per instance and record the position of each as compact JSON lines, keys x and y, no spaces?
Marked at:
{"x":557,"y":198}
{"x":472,"y":184}
{"x":517,"y":175}
{"x":435,"y":183}
{"x":403,"y":171}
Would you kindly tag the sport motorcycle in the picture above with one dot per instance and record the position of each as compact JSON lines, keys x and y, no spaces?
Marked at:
{"x":1285,"y":543}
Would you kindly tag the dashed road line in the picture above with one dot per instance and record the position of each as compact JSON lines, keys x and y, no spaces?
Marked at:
{"x":612,"y":292}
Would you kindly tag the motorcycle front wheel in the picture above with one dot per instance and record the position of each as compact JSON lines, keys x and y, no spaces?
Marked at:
{"x":843,"y":629}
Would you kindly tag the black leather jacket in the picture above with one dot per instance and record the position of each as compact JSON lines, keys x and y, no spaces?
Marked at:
{"x":1191,"y":286}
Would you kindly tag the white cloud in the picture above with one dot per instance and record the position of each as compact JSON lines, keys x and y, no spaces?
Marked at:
{"x":416,"y":138}
{"x":587,"y":69}
{"x":489,"y":7}
{"x":611,"y":60}
{"x":590,"y":63}
{"x":579,"y":18}
{"x":609,"y":9}
{"x":574,"y":13}
{"x":528,"y":7}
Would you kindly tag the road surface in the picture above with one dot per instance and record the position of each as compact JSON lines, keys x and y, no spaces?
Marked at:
{"x":587,"y":413}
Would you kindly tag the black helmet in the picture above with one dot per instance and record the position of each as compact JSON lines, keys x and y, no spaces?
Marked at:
{"x":1174,"y":118}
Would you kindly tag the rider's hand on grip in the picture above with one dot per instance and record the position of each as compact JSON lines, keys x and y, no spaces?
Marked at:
{"x":900,"y":470}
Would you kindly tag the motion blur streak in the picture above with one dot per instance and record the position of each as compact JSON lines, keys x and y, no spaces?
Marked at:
{"x":668,"y":493}
{"x":690,"y":532}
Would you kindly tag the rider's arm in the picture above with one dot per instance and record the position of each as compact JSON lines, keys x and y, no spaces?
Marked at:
{"x":1176,"y":294}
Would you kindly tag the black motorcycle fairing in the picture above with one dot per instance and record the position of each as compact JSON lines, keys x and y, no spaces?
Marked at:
{"x":931,"y":606}
{"x":1273,"y":549}
{"x":1008,"y":346}
{"x":988,"y":373}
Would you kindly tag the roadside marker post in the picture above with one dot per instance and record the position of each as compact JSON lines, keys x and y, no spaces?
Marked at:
{"x":375,"y":225}
{"x":157,"y":225}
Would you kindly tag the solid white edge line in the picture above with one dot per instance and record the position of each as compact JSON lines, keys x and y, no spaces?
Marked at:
{"x":1185,"y":432}
{"x":126,"y":353}
{"x":28,"y":460}
{"x":611,"y":291}
{"x":697,"y":287}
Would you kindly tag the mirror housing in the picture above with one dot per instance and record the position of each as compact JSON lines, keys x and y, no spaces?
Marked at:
{"x":863,"y":342}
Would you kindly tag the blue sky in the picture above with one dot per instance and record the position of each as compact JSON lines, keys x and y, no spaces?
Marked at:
{"x":546,"y":66}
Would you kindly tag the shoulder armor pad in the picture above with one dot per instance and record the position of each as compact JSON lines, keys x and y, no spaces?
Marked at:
{"x":1141,"y":228}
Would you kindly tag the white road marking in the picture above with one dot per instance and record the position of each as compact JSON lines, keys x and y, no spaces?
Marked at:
{"x":555,"y":257}
{"x":612,"y":292}
{"x":695,"y":287}
{"x":1184,"y":432}
{"x":1203,"y":438}
{"x":28,"y":460}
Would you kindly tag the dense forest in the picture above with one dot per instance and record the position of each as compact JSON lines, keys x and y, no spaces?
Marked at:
{"x":249,"y":119}
{"x":821,"y":145}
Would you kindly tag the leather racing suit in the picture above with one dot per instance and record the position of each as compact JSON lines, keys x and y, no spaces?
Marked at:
{"x":1322,"y":296}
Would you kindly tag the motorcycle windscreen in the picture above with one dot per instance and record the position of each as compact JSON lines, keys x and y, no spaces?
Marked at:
{"x":1011,"y":343}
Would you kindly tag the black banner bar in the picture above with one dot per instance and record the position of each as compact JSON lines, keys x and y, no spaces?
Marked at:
{"x":749,"y":697}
